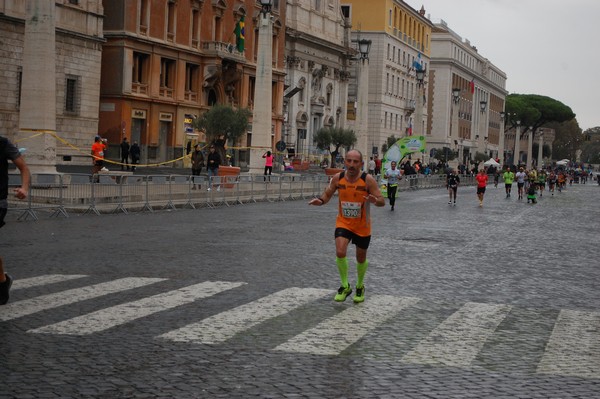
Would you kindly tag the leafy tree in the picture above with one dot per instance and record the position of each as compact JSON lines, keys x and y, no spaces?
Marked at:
{"x":534,"y":111}
{"x":445,"y":154}
{"x":223,"y":124}
{"x":567,"y":141}
{"x":336,"y":137}
{"x":591,"y":145}
{"x":479,"y":157}
{"x":388,"y":143}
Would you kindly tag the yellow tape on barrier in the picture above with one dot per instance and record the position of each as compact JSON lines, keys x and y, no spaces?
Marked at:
{"x":39,"y":132}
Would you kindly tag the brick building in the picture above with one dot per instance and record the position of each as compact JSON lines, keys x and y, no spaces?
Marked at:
{"x":167,"y":61}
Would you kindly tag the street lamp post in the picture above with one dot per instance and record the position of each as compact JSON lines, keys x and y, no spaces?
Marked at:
{"x":455,"y":132}
{"x":516,"y":158}
{"x":362,"y":116}
{"x":419,"y":103}
{"x":262,"y":114}
{"x":482,"y":129}
{"x":501,"y":155}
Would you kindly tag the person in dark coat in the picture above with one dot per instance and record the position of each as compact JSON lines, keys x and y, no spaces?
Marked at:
{"x":125,"y":153}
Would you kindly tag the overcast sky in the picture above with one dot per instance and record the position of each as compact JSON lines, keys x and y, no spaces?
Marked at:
{"x":545,"y":47}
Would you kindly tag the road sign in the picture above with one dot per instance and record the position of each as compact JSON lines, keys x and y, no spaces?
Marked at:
{"x":280,"y":145}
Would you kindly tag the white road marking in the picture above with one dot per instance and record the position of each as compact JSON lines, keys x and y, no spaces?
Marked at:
{"x":120,"y":314}
{"x":222,"y":326}
{"x":43,"y":280}
{"x":457,"y":341}
{"x":337,"y":333}
{"x":574,"y":346}
{"x":26,"y":307}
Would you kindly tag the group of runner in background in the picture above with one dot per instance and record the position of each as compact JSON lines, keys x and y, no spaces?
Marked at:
{"x":530,"y":183}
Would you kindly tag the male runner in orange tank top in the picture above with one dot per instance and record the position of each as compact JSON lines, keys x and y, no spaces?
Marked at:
{"x":357,"y":190}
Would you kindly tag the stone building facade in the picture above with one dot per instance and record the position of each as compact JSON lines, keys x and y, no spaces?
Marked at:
{"x":317,"y":61}
{"x":456,"y":64}
{"x":79,"y":39}
{"x":400,"y":35}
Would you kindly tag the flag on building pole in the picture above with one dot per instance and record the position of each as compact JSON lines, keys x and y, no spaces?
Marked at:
{"x":472,"y":85}
{"x":239,"y":35}
{"x":418,"y":63}
{"x":409,"y":129}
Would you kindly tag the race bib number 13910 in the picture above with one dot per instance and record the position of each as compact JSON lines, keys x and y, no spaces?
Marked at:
{"x":351,"y":209}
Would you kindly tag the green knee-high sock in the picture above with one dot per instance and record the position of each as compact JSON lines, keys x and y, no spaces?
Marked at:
{"x":342,"y":264}
{"x":361,"y":269}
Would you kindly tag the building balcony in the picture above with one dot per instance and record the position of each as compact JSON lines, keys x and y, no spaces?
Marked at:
{"x":139,"y":88}
{"x":223,"y":50}
{"x":191,"y":96}
{"x":166,"y":92}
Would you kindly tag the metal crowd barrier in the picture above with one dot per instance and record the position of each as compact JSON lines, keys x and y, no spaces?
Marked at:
{"x":55,"y":195}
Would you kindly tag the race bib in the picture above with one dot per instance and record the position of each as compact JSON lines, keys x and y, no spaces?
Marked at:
{"x":351,"y":210}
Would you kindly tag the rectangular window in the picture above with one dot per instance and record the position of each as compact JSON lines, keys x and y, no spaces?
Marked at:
{"x":76,"y":2}
{"x":385,"y":120}
{"x":170,"y":20}
{"x":191,"y":82}
{"x":387,"y":83}
{"x":72,"y":95}
{"x":143,"y":17}
{"x":19,"y":86}
{"x":167,"y":77}
{"x":195,"y":28}
{"x":346,"y":11}
{"x":139,"y":73}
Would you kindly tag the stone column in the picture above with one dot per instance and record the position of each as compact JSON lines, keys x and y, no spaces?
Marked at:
{"x":501,"y":143}
{"x":262,"y":115}
{"x":37,"y":115}
{"x":540,"y":150}
{"x":517,"y":145}
{"x":530,"y":148}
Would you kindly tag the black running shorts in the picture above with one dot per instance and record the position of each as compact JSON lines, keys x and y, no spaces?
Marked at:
{"x":361,"y":242}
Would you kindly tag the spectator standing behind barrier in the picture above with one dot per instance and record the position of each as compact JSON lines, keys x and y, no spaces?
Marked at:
{"x":125,"y":153}
{"x":212,"y":166}
{"x":98,"y":149}
{"x":9,"y":151}
{"x":135,"y":154}
{"x":392,"y":176}
{"x":197,"y":162}
{"x":377,"y":165}
{"x":371,"y":166}
{"x":268,"y":163}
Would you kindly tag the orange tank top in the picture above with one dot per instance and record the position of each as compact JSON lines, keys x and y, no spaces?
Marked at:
{"x":353,"y":208}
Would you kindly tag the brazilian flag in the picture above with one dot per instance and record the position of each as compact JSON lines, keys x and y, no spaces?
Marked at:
{"x":239,"y":35}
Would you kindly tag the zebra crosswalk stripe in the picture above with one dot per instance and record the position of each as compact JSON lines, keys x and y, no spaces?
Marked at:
{"x":574,"y":346}
{"x":223,"y":326}
{"x":335,"y":334}
{"x":17,"y":309}
{"x":44,"y":280}
{"x":457,"y":341}
{"x":116,"y":315}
